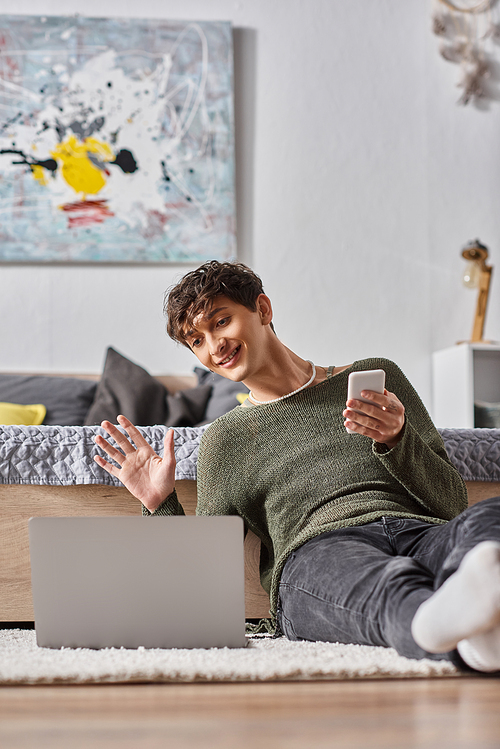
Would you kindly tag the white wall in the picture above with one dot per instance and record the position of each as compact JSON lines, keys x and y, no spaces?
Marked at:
{"x":359,"y":180}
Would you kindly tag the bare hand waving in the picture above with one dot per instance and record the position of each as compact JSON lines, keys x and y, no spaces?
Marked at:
{"x":147,"y":476}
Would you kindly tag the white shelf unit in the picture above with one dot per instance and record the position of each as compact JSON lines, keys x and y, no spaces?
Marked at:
{"x":463,"y":374}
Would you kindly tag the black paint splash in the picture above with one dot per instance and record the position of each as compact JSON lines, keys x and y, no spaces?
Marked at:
{"x":164,"y":171}
{"x":49,"y":164}
{"x":125,"y":160}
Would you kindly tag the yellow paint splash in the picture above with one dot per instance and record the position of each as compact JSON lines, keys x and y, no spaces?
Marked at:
{"x":77,"y":169}
{"x":39,"y":174}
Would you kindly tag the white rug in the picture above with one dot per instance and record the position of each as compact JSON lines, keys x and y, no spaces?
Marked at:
{"x":265,"y":659}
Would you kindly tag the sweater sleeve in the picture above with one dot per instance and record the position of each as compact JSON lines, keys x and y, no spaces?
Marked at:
{"x":216,"y":481}
{"x":419,"y":461}
{"x":169,"y":506}
{"x":219,"y":472}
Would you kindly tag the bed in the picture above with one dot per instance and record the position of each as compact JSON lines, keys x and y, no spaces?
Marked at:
{"x":48,"y":468}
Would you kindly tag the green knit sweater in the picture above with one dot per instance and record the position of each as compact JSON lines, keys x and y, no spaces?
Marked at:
{"x":292,"y":471}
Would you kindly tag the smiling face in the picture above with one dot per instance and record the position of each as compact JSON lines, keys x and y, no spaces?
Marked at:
{"x":230,"y":339}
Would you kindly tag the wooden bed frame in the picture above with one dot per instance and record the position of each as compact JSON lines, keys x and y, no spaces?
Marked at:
{"x":20,"y":502}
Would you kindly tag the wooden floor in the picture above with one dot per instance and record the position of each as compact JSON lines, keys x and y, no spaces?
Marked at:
{"x":419,"y":714}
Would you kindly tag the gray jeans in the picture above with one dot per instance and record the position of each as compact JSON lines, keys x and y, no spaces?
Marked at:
{"x":364,"y":584}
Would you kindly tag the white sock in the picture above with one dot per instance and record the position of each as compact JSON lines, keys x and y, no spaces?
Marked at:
{"x":482,"y":652}
{"x":468,"y":603}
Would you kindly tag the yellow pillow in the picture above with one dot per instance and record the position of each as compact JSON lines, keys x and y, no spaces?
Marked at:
{"x":14,"y":413}
{"x":241,"y":397}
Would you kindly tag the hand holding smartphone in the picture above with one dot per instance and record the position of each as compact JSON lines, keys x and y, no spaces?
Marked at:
{"x":370,"y":379}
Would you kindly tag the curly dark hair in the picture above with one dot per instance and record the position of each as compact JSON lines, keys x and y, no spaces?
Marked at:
{"x":195,"y":292}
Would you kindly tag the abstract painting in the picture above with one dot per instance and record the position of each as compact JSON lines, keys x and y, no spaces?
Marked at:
{"x":116,"y":140}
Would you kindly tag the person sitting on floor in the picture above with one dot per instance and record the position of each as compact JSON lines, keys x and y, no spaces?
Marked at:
{"x":366,"y":537}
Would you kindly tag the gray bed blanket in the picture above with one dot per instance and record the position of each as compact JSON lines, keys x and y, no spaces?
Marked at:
{"x":65,"y":455}
{"x":62,"y":455}
{"x":474,"y":452}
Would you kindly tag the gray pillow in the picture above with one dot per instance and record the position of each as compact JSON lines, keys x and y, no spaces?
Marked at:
{"x":128,"y":389}
{"x":67,"y":399}
{"x":224,"y":392}
{"x":186,"y":408}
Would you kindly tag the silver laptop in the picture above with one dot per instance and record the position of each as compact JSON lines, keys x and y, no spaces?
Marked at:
{"x":167,"y":582}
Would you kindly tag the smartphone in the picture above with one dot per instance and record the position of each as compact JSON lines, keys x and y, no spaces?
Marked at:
{"x":370,"y":379}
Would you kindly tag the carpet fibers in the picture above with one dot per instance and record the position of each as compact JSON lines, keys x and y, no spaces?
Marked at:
{"x":264,"y":659}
